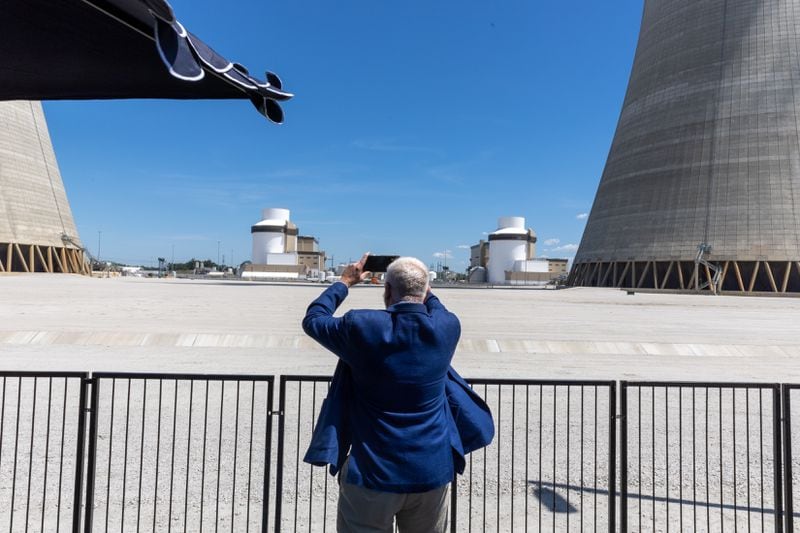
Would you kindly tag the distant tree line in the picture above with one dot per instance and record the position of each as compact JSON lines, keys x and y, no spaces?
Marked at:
{"x":190,"y":265}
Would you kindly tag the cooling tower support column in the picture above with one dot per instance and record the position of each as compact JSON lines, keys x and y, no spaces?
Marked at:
{"x":706,"y":153}
{"x":37,"y":231}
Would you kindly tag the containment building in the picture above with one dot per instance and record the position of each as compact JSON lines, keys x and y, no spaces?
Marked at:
{"x":701,"y":189}
{"x":279,"y":252}
{"x":37,"y":232}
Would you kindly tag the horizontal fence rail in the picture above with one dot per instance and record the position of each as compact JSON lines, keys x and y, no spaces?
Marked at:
{"x":190,"y":452}
{"x":179,"y":453}
{"x":41,"y":450}
{"x":700,"y":457}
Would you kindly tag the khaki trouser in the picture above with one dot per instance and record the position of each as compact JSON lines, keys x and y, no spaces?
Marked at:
{"x":364,"y":510}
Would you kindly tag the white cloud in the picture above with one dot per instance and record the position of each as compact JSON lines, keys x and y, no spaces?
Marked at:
{"x":566,"y":248}
{"x":444,"y":254}
{"x":582,"y":216}
{"x":552,"y":242}
{"x":463,"y":246}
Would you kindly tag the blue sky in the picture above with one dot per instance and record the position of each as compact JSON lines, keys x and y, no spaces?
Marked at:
{"x":415,"y":126}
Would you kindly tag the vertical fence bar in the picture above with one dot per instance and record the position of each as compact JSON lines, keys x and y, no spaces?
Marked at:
{"x":454,"y":502}
{"x":776,"y":438}
{"x":268,"y":457}
{"x":92,"y":460}
{"x":623,"y":455}
{"x":86,"y":383}
{"x":279,"y":463}
{"x":612,"y":456}
{"x":787,"y":456}
{"x":46,"y":449}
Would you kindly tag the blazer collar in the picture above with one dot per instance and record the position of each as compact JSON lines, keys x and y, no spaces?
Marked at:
{"x":407,"y":307}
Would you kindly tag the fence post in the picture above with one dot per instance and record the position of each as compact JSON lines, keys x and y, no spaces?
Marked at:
{"x":787,"y":456}
{"x":80,"y":449}
{"x":776,"y":434}
{"x":623,"y":456}
{"x":612,"y":456}
{"x":90,"y":468}
{"x":268,"y":453}
{"x":279,"y":461}
{"x":453,"y":502}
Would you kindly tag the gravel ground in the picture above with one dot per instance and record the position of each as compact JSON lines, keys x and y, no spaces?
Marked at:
{"x":75,"y":323}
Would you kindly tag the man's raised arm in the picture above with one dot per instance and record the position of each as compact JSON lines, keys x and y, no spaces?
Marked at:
{"x":319,"y":322}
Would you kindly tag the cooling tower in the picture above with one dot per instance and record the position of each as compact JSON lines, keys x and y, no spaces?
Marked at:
{"x":701,"y":189}
{"x":37,"y":232}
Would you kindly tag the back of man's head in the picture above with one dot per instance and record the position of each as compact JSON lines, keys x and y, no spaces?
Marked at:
{"x":407,"y":277}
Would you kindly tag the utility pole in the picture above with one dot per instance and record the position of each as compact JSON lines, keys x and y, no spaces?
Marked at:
{"x":218,"y":243}
{"x":99,"y":233}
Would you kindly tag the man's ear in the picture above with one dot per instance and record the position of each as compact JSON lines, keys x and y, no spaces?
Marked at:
{"x":387,"y":294}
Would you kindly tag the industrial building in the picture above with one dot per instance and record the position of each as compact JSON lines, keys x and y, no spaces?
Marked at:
{"x":37,"y":231}
{"x":279,"y":252}
{"x":509,"y":257}
{"x":701,"y":189}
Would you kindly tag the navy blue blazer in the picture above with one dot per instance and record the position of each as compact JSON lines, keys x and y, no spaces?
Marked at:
{"x":406,"y":417}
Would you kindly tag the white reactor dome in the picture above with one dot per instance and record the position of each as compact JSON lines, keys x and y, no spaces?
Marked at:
{"x":275,"y":213}
{"x":511,"y":223}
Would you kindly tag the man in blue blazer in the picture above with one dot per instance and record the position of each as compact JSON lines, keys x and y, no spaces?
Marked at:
{"x":406,"y":417}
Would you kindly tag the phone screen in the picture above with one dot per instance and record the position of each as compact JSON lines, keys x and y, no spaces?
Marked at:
{"x":378,"y":263}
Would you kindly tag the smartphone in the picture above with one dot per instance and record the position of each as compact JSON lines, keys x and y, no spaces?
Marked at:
{"x":378,"y":263}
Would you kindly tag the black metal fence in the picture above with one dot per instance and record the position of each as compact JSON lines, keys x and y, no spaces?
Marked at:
{"x":41,"y":450}
{"x":791,"y":449}
{"x":551,"y":466}
{"x":183,"y":452}
{"x":179,"y":453}
{"x":305,"y":495}
{"x":700,"y":456}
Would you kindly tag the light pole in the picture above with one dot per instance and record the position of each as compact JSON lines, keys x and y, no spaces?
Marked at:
{"x":218,"y":243}
{"x":99,"y":233}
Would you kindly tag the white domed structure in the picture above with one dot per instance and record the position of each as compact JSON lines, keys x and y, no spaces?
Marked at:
{"x":272,"y":235}
{"x":510,"y":243}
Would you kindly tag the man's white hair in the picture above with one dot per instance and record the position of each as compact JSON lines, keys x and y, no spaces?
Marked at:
{"x":408,"y":277}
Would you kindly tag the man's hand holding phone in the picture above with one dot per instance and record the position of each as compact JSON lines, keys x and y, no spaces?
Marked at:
{"x":354,"y":273}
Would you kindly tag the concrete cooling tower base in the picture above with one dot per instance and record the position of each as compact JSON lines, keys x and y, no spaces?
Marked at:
{"x":701,"y":189}
{"x":37,"y":231}
{"x":774,"y":277}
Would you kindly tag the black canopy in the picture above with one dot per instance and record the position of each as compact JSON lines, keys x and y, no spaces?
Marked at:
{"x":103,"y":49}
